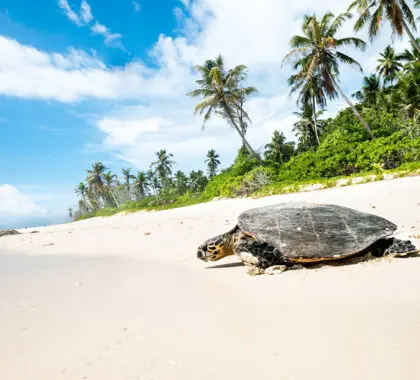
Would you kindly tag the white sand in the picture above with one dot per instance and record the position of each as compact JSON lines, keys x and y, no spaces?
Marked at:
{"x":99,"y":299}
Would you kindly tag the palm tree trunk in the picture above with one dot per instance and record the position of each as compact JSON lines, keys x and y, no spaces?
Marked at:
{"x":352,"y":107}
{"x":244,"y":141}
{"x":413,"y":39}
{"x":115,"y":199}
{"x":315,"y":120}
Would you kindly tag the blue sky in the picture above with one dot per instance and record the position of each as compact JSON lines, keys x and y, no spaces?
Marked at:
{"x":82,"y":81}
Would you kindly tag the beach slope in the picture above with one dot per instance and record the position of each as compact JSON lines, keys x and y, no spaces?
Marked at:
{"x":124,"y":297}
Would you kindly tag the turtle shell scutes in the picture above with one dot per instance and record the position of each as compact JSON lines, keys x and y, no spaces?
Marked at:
{"x":308,"y":232}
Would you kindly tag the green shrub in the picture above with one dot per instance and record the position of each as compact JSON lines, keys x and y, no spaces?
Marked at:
{"x":338,"y":157}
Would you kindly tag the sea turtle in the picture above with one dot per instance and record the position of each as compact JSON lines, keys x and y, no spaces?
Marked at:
{"x":274,"y":238}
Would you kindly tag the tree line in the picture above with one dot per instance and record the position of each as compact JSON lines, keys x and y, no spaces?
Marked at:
{"x":387,"y":106}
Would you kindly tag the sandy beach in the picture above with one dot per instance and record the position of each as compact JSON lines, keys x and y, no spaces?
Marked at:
{"x":124,"y":297}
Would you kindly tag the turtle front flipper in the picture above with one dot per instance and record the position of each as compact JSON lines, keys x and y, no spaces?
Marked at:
{"x":258,"y":255}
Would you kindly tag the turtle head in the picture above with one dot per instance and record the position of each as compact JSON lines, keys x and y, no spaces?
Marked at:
{"x":216,"y":248}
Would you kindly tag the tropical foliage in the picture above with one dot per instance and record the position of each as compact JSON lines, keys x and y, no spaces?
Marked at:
{"x":223,"y":92}
{"x":380,"y":131}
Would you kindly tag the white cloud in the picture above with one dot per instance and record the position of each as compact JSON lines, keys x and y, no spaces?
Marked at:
{"x":30,"y":73}
{"x":85,"y":12}
{"x":16,"y":207}
{"x":80,"y":19}
{"x":71,"y":15}
{"x":258,"y":35}
{"x":102,"y":30}
{"x":135,"y":133}
{"x":76,"y":59}
{"x":85,"y":16}
{"x":136,"y":6}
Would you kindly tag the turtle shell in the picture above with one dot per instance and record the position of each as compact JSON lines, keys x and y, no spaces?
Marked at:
{"x":310,"y":232}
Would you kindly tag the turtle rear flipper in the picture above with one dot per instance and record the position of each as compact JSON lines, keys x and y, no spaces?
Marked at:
{"x":401,"y":248}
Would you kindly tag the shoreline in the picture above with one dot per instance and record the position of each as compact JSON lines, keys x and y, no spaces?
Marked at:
{"x":124,"y":297}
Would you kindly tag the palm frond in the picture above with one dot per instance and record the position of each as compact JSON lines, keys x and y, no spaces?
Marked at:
{"x":338,"y":23}
{"x":364,"y":17}
{"x":395,"y":16}
{"x":207,"y":102}
{"x":376,"y":21}
{"x":408,"y":14}
{"x":348,"y":60}
{"x":351,"y":41}
{"x":300,"y":42}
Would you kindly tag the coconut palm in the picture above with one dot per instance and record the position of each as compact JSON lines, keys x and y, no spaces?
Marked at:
{"x":310,"y":89}
{"x":197,"y":181}
{"x":95,"y":178}
{"x":181,"y":182}
{"x":396,"y":12}
{"x":274,"y":150}
{"x":81,"y":190}
{"x":163,"y":166}
{"x":127,"y":177}
{"x":109,"y":179}
{"x":153,"y":180}
{"x":318,"y":54}
{"x":412,"y":55}
{"x":303,"y":127}
{"x":212,"y":162}
{"x":141,"y":184}
{"x":243,"y":118}
{"x":223,"y":92}
{"x":389,"y":65}
{"x":407,"y":93}
{"x":370,"y":90}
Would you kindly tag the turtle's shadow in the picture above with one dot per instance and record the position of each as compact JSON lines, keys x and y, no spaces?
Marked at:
{"x":358,"y":260}
{"x":229,"y":265}
{"x":339,"y":263}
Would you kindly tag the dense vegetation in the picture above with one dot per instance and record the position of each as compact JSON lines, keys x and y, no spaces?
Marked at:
{"x":379,"y":131}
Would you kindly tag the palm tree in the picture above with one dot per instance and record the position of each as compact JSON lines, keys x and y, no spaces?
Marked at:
{"x":370,"y":90}
{"x":198,"y":181}
{"x":109,"y":179}
{"x":163,"y":166}
{"x":141,"y":184}
{"x":212,"y":162}
{"x":318,"y":53}
{"x":181,"y":182}
{"x":396,"y":12}
{"x":388,"y":65}
{"x":407,"y":93}
{"x":153,"y":180}
{"x":81,"y":190}
{"x":95,"y":178}
{"x":410,"y":56}
{"x":311,"y":90}
{"x":274,"y":150}
{"x":243,"y":117}
{"x":304,"y":128}
{"x":127,"y":177}
{"x":223,"y":92}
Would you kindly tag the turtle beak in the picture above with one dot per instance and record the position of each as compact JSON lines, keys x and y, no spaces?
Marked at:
{"x":201,"y":254}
